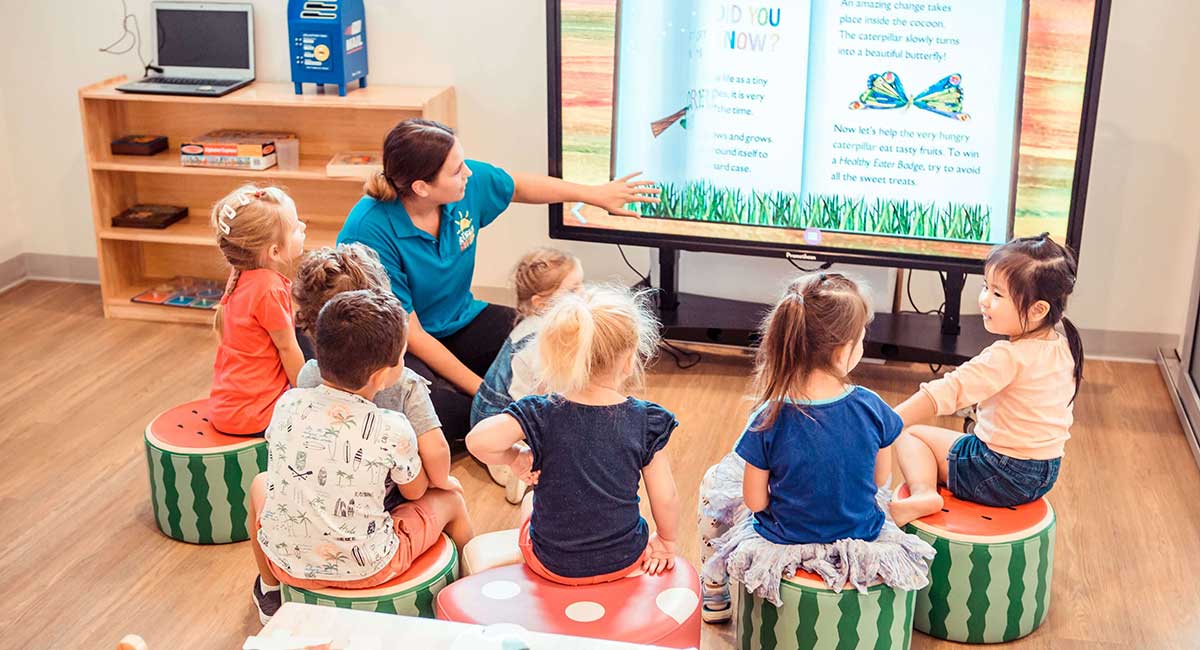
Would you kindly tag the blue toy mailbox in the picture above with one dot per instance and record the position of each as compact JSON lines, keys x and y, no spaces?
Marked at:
{"x":329,"y":43}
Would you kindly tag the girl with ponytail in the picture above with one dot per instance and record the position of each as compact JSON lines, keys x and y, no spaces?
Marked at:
{"x":261,"y":237}
{"x":804,"y":484}
{"x":589,"y":444}
{"x":1025,"y":389}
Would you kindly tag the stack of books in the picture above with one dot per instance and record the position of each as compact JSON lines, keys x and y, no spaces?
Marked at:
{"x":234,"y":149}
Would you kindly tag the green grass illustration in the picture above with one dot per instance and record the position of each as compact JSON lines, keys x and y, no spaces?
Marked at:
{"x":703,"y":201}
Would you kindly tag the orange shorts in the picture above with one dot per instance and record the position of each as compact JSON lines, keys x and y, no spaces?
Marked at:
{"x":535,"y":565}
{"x":417,"y":528}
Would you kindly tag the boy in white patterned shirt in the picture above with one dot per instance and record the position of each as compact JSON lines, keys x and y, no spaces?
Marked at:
{"x":317,"y":517}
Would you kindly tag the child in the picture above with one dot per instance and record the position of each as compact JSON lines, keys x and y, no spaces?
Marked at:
{"x":1025,"y":388}
{"x":323,"y":274}
{"x":589,"y":443}
{"x":258,"y":358}
{"x":541,"y":276}
{"x":809,"y":464}
{"x":320,"y":502}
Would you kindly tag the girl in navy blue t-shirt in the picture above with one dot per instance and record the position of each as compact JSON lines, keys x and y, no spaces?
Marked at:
{"x":589,"y":445}
{"x":801,"y":488}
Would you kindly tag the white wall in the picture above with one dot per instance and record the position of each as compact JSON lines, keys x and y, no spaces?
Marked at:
{"x":1143,"y":210}
{"x":1142,"y":222}
{"x":12,"y":221}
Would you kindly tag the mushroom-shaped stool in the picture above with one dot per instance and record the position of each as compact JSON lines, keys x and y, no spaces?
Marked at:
{"x":662,"y":610}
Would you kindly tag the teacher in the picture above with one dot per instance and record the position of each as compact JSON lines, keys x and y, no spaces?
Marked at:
{"x":421,"y":215}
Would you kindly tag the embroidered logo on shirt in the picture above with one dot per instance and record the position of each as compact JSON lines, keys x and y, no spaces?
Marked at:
{"x":466,"y":231}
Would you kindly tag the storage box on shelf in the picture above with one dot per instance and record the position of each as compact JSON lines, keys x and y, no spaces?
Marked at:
{"x":132,"y":260}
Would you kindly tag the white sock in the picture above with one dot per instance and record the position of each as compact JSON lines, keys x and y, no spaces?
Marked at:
{"x":266,"y":588}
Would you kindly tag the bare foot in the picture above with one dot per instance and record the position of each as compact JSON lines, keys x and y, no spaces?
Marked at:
{"x":915,"y":507}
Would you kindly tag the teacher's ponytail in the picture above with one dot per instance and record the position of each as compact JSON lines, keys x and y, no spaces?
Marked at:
{"x":414,"y":150}
{"x":379,"y":188}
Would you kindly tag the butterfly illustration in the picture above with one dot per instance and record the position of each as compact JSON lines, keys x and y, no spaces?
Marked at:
{"x":885,"y":91}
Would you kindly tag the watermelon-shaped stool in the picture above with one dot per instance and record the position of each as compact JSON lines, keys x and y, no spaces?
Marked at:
{"x":814,"y":617}
{"x":410,"y":594}
{"x":990,"y":581}
{"x":200,"y":478}
{"x":661,"y":610}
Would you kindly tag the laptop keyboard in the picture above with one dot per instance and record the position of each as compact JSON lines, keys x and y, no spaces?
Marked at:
{"x":179,"y":81}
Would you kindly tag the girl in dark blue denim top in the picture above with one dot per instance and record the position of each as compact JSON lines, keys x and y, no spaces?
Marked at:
{"x":589,"y":443}
{"x":542,"y":275}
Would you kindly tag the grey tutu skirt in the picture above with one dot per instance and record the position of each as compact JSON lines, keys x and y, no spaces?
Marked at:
{"x":896,"y":558}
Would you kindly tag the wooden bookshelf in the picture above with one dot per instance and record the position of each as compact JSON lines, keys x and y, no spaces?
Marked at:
{"x":133,"y":260}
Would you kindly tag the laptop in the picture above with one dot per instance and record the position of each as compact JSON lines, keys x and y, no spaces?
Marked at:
{"x":204,"y":48}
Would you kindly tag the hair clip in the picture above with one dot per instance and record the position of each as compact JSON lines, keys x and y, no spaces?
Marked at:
{"x":226,"y":214}
{"x":244,"y":199}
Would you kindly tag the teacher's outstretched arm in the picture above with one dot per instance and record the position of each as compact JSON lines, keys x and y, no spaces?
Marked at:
{"x":613,"y":196}
{"x":440,"y":360}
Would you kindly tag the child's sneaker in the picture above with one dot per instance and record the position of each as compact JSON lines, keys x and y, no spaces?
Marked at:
{"x":499,"y":474}
{"x":267,"y":600}
{"x":717,"y":608}
{"x":514,"y":489}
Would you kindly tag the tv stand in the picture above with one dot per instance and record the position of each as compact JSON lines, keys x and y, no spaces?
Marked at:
{"x":950,"y":339}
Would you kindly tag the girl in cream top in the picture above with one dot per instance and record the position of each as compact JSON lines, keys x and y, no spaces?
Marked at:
{"x":1025,"y":389}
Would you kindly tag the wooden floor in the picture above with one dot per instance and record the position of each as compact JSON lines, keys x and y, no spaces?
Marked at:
{"x":82,"y":562}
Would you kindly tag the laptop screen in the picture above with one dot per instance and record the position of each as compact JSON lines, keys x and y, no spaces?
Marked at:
{"x":203,"y":39}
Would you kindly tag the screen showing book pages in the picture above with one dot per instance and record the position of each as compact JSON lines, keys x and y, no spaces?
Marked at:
{"x":921,"y":128}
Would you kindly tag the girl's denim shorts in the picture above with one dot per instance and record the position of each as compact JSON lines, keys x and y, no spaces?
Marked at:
{"x":976,"y":473}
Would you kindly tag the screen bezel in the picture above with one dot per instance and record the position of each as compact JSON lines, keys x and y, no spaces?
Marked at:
{"x":205,"y":72}
{"x":803,"y":252}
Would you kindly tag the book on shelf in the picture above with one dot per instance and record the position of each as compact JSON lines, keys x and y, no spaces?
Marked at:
{"x":232,"y":148}
{"x":354,"y":164}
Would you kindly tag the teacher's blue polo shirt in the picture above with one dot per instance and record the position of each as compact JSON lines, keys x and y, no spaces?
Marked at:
{"x":432,"y":276}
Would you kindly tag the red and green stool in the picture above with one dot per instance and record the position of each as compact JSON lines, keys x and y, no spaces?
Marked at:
{"x":411,"y":594}
{"x":815,"y":617}
{"x":200,"y":478}
{"x":990,"y":580}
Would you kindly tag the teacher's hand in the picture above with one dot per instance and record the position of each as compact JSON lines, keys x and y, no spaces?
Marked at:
{"x":616,"y":195}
